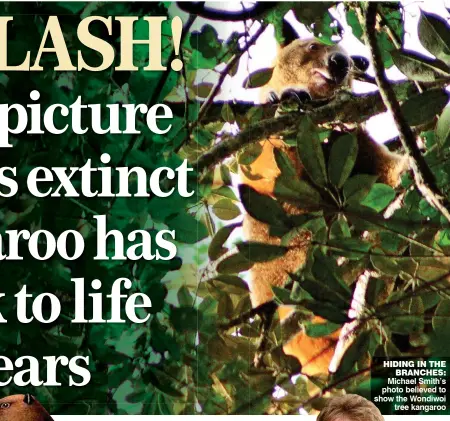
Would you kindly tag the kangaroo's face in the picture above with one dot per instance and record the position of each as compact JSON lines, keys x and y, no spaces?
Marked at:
{"x":22,"y":408}
{"x":312,"y":66}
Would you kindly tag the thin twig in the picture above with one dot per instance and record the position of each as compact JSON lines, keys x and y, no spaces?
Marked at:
{"x":424,"y":178}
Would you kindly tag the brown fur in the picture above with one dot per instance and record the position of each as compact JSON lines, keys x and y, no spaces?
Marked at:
{"x":297,"y":66}
{"x":16,"y":408}
{"x":300,"y":68}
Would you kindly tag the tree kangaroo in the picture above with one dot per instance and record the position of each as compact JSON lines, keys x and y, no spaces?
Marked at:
{"x":306,"y":69}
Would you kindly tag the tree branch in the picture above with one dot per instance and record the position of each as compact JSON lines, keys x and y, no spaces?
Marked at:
{"x":241,"y":107}
{"x":264,"y":310}
{"x":199,"y":9}
{"x":344,"y":108}
{"x":424,"y":178}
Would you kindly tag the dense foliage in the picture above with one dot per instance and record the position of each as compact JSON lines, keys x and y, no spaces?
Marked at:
{"x":182,"y":361}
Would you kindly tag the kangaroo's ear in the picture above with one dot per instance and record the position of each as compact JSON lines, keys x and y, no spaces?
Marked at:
{"x":360,"y":63}
{"x":289,"y":33}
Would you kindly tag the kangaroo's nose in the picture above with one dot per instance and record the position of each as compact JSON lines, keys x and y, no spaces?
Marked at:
{"x":339,"y":66}
{"x":28,"y":399}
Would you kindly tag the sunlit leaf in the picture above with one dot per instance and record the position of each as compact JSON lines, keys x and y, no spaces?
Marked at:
{"x":259,"y":78}
{"x":234,"y":264}
{"x":226,"y":210}
{"x":434,"y":34}
{"x":443,"y":127}
{"x":216,"y":249}
{"x":379,"y":197}
{"x":419,"y":68}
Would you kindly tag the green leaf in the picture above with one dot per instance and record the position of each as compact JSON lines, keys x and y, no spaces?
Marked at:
{"x":386,"y":265}
{"x":379,"y":197}
{"x":263,"y":208}
{"x":326,"y":288}
{"x":434,"y":34}
{"x":225,"y":307}
{"x":234,"y":264}
{"x":289,"y":186}
{"x":328,"y":311}
{"x":325,"y":272}
{"x":206,"y":42}
{"x":419,"y":68}
{"x":422,"y":108}
{"x":228,"y":114}
{"x":226,"y":210}
{"x":71,"y":6}
{"x":185,"y":319}
{"x":203,"y":89}
{"x":441,"y":318}
{"x":309,"y":148}
{"x":352,"y":248}
{"x":298,"y":192}
{"x":229,"y":284}
{"x":342,"y":159}
{"x":311,"y":12}
{"x":261,"y":252}
{"x":430,"y":299}
{"x":386,"y":46}
{"x":225,"y":192}
{"x":250,"y":154}
{"x":184,"y":296}
{"x":326,"y":28}
{"x":443,"y":127}
{"x":405,"y":324}
{"x":283,"y":296}
{"x":203,"y":137}
{"x":339,"y":228}
{"x":284,"y":164}
{"x":355,"y":351}
{"x":356,"y":188}
{"x":318,"y":330}
{"x":187,"y":228}
{"x":216,"y":249}
{"x":413,"y":306}
{"x":198,"y":61}
{"x":353,"y":21}
{"x":259,"y":78}
{"x":225,"y":175}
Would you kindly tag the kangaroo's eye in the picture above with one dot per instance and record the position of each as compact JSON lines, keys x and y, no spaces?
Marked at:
{"x":313,"y":47}
{"x":5,"y":405}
